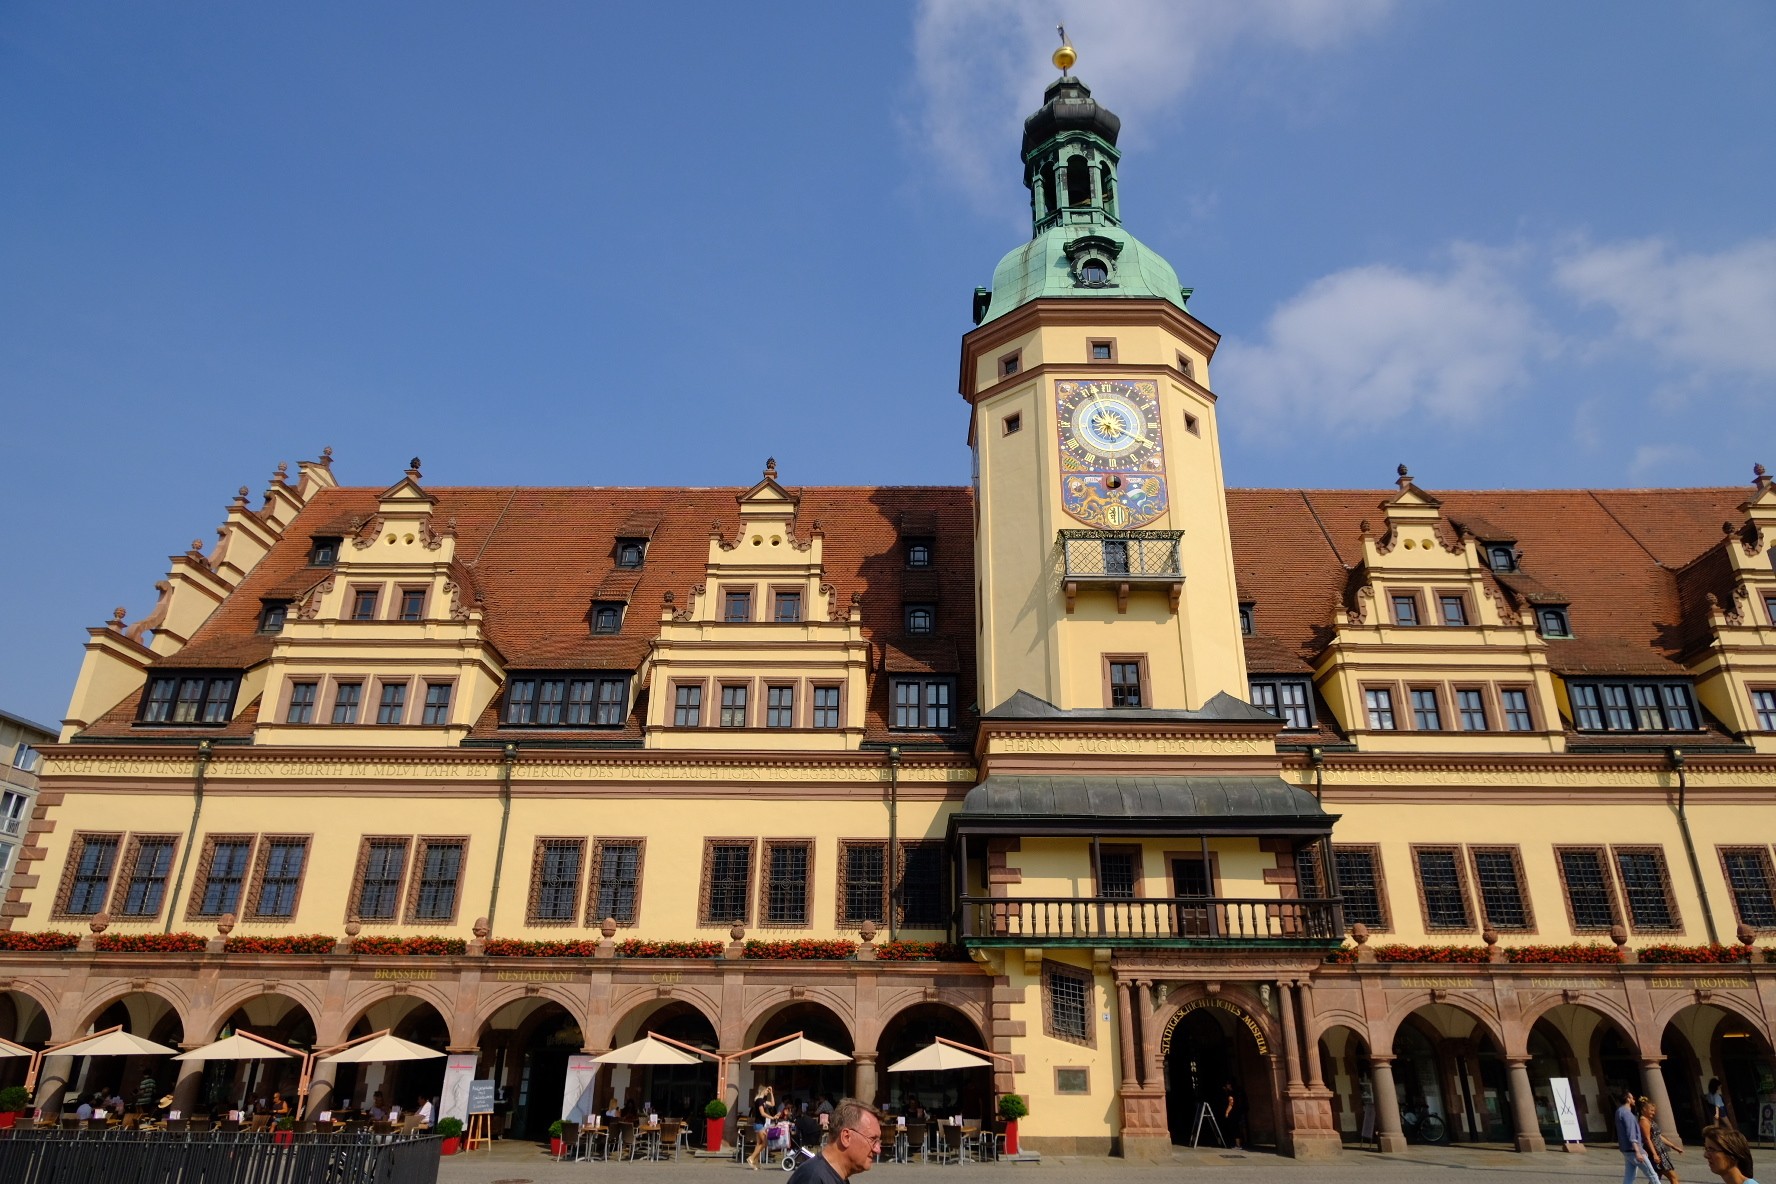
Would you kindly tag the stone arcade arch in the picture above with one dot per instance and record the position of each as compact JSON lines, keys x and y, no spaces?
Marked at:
{"x":225,"y":1085}
{"x":1348,"y":1072}
{"x":674,"y":1091}
{"x":525,"y":1044}
{"x":138,"y":1011}
{"x":23,"y":1020}
{"x":1208,"y":1041}
{"x":404,"y":1083}
{"x":1595,"y":1051}
{"x":819,"y":1023}
{"x":1701,"y":1041}
{"x":965,"y":1091}
{"x":1448,"y":1062}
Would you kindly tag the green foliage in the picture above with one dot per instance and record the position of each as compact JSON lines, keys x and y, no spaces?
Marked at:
{"x":15,"y":1099}
{"x":715,"y":1109}
{"x":556,"y":1127}
{"x":1013,"y":1107}
{"x":450,"y":1128}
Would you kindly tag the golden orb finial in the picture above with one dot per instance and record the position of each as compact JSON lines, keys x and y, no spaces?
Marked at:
{"x":1066,"y":55}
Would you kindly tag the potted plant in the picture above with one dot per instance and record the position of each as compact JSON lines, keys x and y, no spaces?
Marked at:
{"x":451,"y":1129}
{"x":1011,"y":1108}
{"x":286,"y":1130}
{"x":14,"y":1100}
{"x":713,"y":1115}
{"x":555,"y":1129}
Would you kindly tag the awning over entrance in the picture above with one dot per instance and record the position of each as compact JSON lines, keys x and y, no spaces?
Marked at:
{"x":1091,"y":804}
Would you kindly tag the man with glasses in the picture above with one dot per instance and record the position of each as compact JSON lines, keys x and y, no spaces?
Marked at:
{"x":854,"y":1139}
{"x":1727,"y":1154}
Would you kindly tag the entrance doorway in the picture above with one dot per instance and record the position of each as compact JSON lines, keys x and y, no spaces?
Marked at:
{"x":1212,"y":1050}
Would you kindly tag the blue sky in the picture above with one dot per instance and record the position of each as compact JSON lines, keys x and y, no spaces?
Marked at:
{"x":1515,"y":244}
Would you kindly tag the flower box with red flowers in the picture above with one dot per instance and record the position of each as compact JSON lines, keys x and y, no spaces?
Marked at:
{"x":149,"y":943}
{"x":409,"y":947}
{"x":1435,"y":955}
{"x":804,"y":949}
{"x":637,"y":947}
{"x":43,"y":939}
{"x":283,"y":943}
{"x":920,"y":951}
{"x":1693,"y":954}
{"x":511,"y":947}
{"x":1591,"y":953}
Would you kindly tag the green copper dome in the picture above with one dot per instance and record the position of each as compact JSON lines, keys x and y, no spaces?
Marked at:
{"x":1078,"y":247}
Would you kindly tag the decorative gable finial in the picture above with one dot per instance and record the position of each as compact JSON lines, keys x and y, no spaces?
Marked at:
{"x":413,"y":469}
{"x":1405,"y":477}
{"x":327,"y":456}
{"x":117,"y":615}
{"x":770,"y":468}
{"x":1760,"y":476}
{"x":1364,"y":530}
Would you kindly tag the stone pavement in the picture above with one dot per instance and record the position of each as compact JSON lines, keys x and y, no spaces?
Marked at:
{"x":514,"y":1162}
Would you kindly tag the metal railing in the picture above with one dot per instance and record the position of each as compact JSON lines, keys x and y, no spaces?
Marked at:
{"x":30,"y":1156}
{"x":1173,"y":920}
{"x":1122,"y":554}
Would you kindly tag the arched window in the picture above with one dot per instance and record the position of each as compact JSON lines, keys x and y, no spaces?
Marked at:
{"x":1107,"y":186}
{"x":1079,"y":185}
{"x":1093,"y":272}
{"x":1048,"y":189}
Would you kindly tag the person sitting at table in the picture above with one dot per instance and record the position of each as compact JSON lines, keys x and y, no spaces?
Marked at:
{"x":378,"y":1108}
{"x":85,"y":1111}
{"x":279,"y":1107}
{"x":916,"y":1112}
{"x":114,"y":1103}
{"x":426,"y":1112}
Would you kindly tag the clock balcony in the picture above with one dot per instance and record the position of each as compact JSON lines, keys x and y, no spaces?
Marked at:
{"x":1121,"y":560}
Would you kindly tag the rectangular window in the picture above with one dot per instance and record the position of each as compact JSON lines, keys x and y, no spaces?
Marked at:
{"x":1010,"y":363}
{"x":1116,"y":557}
{"x":613,"y":702}
{"x":189,"y":699}
{"x":1471,"y":704}
{"x":437,"y":703}
{"x":1012,"y":424}
{"x":145,"y":890}
{"x":921,"y":619}
{"x":323,"y":552}
{"x":1067,"y":1002}
{"x":440,"y":876}
{"x":1764,"y":704}
{"x":345,"y":702}
{"x":607,"y":617}
{"x":571,"y":702}
{"x":157,"y":708}
{"x":1405,"y":610}
{"x":12,"y":804}
{"x":1589,"y":897}
{"x":379,"y":886}
{"x":1359,"y":882}
{"x":1380,"y":704}
{"x":1679,"y":717}
{"x":631,"y":552}
{"x":1646,"y":709}
{"x":924,"y":886}
{"x":1307,"y":872}
{"x":1286,"y":699}
{"x":780,"y":707}
{"x":580,"y":692}
{"x":1125,"y":683}
{"x":1118,"y":873}
{"x":1103,"y":351}
{"x":273,"y":616}
{"x":687,"y":707}
{"x":1552,"y":622}
{"x":786,"y":883}
{"x":551,"y":692}
{"x":1647,"y":888}
{"x":1248,"y":622}
{"x":1633,"y":707}
{"x":280,"y":876}
{"x":787,"y":607}
{"x":1517,"y":717}
{"x":555,"y":880}
{"x":1616,"y":714}
{"x":364,"y":604}
{"x":727,"y":883}
{"x":393,"y":707}
{"x":91,"y":881}
{"x":1426,"y":716}
{"x":618,"y":883}
{"x":922,"y":703}
{"x":733,"y":707}
{"x":220,"y":890}
{"x":1499,"y":876}
{"x":1501,"y":558}
{"x":1770,"y":609}
{"x":919,"y":553}
{"x":1453,"y":609}
{"x":302,"y":703}
{"x":413,"y":604}
{"x":1440,"y":887}
{"x":826,"y":707}
{"x":864,"y":892}
{"x":737,"y":605}
{"x":1749,"y":877}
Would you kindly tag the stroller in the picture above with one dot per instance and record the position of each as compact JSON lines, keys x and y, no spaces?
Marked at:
{"x":801,"y":1140}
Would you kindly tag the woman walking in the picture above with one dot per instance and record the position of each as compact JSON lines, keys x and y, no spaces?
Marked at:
{"x":1658,"y":1146}
{"x":764,"y":1112}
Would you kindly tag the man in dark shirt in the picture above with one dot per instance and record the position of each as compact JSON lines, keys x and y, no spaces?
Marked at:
{"x":855,"y":1137}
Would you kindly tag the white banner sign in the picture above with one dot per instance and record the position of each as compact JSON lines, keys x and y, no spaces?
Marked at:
{"x":1563,"y":1106}
{"x":453,"y":1099}
{"x":576,"y":1095}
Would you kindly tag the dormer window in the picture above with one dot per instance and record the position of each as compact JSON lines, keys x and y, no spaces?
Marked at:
{"x":919,"y":553}
{"x":1552,"y":622}
{"x":921,"y":619}
{"x":1093,"y":273}
{"x":189,"y":698}
{"x":1650,"y":706}
{"x":607,"y":616}
{"x":566,"y":701}
{"x":273,"y":615}
{"x":1247,"y":623}
{"x":323,"y":552}
{"x":1501,"y":557}
{"x":630,"y":552}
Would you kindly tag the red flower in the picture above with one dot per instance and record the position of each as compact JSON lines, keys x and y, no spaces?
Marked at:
{"x":307,"y":943}
{"x":1590,"y":953}
{"x":801,"y":949}
{"x":156,"y":943}
{"x":47,"y":939}
{"x":920,"y":951}
{"x":1440,"y":955}
{"x":409,"y":946}
{"x":1668,"y":953}
{"x":636,"y":947}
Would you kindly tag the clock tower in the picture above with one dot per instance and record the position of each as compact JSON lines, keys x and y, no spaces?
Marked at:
{"x":1106,"y":576}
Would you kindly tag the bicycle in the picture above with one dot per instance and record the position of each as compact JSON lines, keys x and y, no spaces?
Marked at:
{"x":1424,"y":1128}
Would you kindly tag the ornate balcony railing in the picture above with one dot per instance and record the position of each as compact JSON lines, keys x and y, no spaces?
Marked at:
{"x":1121,"y":559}
{"x":1167,"y":921}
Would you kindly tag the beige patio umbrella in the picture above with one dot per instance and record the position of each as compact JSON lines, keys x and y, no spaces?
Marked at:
{"x":381,"y":1048}
{"x":113,"y":1044}
{"x":936,"y":1058}
{"x":801,"y":1051}
{"x":9,"y":1049}
{"x":647,"y":1051}
{"x":240,"y":1047}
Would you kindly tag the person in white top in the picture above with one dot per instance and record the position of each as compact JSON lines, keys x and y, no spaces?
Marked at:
{"x":425,"y":1113}
{"x":85,"y":1112}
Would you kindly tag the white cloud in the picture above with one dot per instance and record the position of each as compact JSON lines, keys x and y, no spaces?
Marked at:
{"x":1372,"y":344}
{"x":1714,"y":313}
{"x":1652,"y":459}
{"x":981,"y":65}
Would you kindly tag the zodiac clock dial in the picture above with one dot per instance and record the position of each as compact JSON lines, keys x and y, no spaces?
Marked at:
{"x":1112,"y":458}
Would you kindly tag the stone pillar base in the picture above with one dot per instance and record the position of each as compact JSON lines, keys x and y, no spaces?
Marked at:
{"x":1533,"y":1142}
{"x":1312,"y":1134}
{"x":1390,"y":1144}
{"x":1315,"y":1145}
{"x":1147,"y":1147}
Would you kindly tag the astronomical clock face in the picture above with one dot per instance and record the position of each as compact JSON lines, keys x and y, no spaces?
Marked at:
{"x":1112,"y":460}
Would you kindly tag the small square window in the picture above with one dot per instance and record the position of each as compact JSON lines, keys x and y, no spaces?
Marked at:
{"x":1553,"y":623}
{"x":273,"y":616}
{"x":1102,"y":350}
{"x":1012,"y":423}
{"x":630,"y":552}
{"x":413,"y":604}
{"x":786,"y":608}
{"x":1186,"y":367}
{"x":1011,"y":363}
{"x":921,"y":619}
{"x":919,"y":554}
{"x":1405,"y":610}
{"x":1453,"y":609}
{"x":364,"y":604}
{"x":323,"y":552}
{"x":607,"y":616}
{"x":1501,"y":557}
{"x":1191,"y":425}
{"x":1246,"y":620}
{"x":737,"y":606}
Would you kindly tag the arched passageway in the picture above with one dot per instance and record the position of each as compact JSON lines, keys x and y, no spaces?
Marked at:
{"x":1705,"y":1041}
{"x":806,"y":1083}
{"x":674,"y":1091}
{"x":22,"y":1021}
{"x":968,"y":1092}
{"x":250,"y":1085}
{"x":400,"y":1083}
{"x":1346,"y":1069}
{"x":135,"y":1079}
{"x":525,"y":1046}
{"x":1218,"y":1067}
{"x":1595,"y":1056}
{"x":1450,"y":1078}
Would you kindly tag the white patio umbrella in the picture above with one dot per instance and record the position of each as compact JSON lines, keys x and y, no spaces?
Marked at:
{"x":936,"y":1058}
{"x":380,"y":1049}
{"x":801,"y":1051}
{"x":9,"y":1049}
{"x":237,"y":1048}
{"x":113,"y":1044}
{"x":647,"y":1051}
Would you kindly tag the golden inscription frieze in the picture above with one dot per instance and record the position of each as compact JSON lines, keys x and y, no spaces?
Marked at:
{"x":1133,"y":746}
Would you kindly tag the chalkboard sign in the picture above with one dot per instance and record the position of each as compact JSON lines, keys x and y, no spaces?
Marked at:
{"x":481,"y":1097}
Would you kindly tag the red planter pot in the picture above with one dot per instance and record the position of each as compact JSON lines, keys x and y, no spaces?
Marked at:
{"x":555,"y":1146}
{"x":283,"y":1136}
{"x":712,"y":1133}
{"x":1011,"y":1143}
{"x":7,"y":1118}
{"x":450,"y":1145}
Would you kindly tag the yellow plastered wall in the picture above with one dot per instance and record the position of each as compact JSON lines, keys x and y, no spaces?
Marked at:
{"x":1062,"y":866}
{"x":1067,"y":1115}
